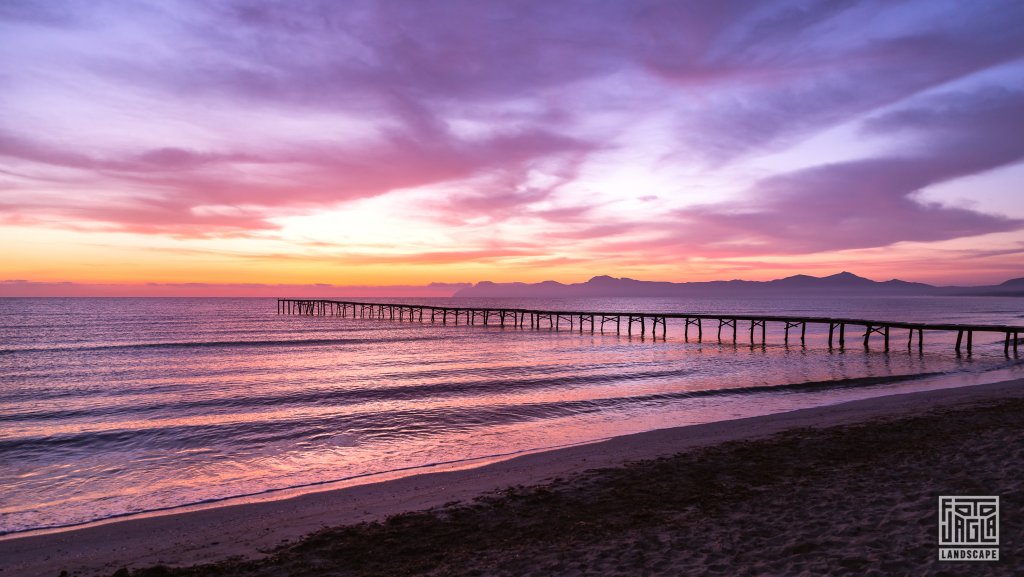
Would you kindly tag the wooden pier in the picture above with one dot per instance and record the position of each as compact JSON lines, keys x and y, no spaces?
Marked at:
{"x":625,"y":321}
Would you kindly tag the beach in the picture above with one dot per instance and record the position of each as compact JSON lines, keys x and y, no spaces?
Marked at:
{"x":455,"y":288}
{"x":149,"y":405}
{"x":850,"y":488}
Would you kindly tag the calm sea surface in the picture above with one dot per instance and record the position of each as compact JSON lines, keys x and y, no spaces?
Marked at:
{"x":117,"y":406}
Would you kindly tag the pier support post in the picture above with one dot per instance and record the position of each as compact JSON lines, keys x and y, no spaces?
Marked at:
{"x":793,"y":325}
{"x":727,"y":323}
{"x":655,"y":320}
{"x":314,"y":307}
{"x":756,"y":323}
{"x":636,"y":319}
{"x":700,"y":330}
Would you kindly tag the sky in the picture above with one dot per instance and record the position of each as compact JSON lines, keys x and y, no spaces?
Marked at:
{"x":202,"y":147}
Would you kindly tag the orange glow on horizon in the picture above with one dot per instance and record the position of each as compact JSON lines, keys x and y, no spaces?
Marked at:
{"x":449,"y":150}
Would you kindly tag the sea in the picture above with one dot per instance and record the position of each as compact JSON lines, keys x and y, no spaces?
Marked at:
{"x":114,"y":407}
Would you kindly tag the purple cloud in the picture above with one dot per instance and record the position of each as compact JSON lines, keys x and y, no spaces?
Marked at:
{"x":871,"y":202}
{"x":198,"y":106}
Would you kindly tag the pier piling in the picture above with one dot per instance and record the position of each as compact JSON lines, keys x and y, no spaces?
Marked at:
{"x":417,"y":313}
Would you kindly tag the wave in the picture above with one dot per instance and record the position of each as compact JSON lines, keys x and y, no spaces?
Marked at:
{"x":353,"y":396}
{"x":215,"y":344}
{"x":494,"y":415}
{"x":298,"y":486}
{"x":394,"y":423}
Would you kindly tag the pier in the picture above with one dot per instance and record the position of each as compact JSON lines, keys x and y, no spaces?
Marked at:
{"x":624,"y":322}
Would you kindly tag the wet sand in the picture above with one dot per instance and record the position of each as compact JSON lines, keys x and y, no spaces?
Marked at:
{"x":845,"y":489}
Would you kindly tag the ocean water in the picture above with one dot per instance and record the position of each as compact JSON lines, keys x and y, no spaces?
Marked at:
{"x":112,"y":407}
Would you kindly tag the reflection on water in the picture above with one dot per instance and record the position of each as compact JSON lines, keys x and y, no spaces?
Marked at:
{"x":110,"y":406}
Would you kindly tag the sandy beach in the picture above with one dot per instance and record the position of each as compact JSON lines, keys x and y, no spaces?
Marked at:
{"x":842,"y":489}
{"x":511,"y":288}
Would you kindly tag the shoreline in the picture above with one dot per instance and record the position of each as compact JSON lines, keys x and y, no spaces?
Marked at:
{"x":928,"y":380}
{"x":253,"y":529}
{"x":899,"y":383}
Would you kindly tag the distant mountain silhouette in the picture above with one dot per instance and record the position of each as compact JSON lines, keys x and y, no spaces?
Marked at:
{"x":845,"y":283}
{"x":1013,"y":287}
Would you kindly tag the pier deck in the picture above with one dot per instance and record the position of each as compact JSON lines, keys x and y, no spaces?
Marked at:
{"x":594,"y":321}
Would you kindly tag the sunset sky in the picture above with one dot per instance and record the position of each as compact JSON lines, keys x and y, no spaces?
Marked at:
{"x":404,"y":143}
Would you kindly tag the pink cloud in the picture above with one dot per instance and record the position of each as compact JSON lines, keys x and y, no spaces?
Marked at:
{"x":871,"y":202}
{"x":864,"y":203}
{"x":738,"y":79}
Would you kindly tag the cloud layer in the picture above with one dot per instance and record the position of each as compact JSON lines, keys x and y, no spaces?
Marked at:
{"x":533,"y":132}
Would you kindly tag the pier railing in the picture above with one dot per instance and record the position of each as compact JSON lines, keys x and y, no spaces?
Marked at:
{"x":625,"y":321}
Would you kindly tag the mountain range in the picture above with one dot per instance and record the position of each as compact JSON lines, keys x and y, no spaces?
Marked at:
{"x":843,"y":283}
